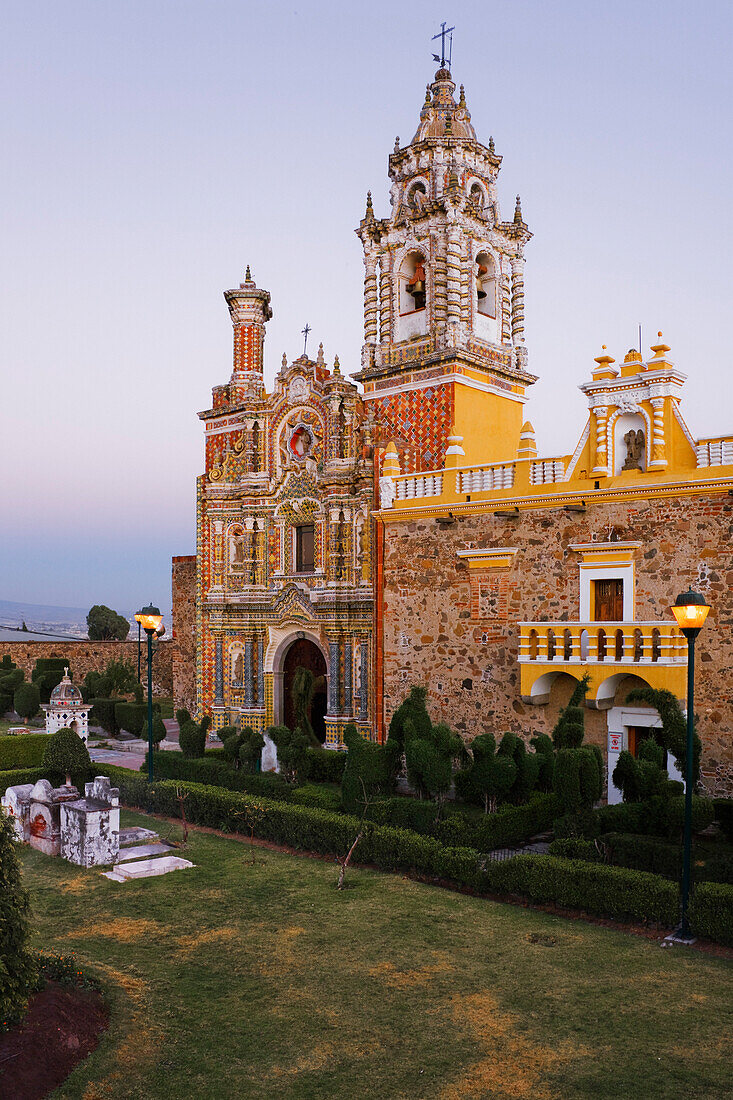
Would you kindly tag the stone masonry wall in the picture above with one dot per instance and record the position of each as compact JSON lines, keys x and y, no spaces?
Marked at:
{"x":184,"y":631}
{"x":439,"y":633}
{"x":85,"y":656}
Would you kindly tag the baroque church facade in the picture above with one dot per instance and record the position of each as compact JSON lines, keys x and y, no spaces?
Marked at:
{"x":408,"y":532}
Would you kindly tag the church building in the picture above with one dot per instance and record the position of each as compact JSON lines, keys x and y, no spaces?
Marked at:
{"x":408,"y":531}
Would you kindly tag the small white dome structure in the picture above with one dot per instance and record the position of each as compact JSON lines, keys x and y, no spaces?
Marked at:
{"x":67,"y":709}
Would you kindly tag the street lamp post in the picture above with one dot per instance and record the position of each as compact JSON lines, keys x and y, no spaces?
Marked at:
{"x":690,"y":610}
{"x":150,"y":620}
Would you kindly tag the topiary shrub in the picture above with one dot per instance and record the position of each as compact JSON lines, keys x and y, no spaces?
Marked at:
{"x":429,"y":760}
{"x":26,"y":701}
{"x":9,"y":681}
{"x":723,"y":809}
{"x":103,"y":714}
{"x":67,"y":759}
{"x":414,"y":710}
{"x":324,"y":765}
{"x":183,"y":716}
{"x":250,"y":750}
{"x":369,"y":770}
{"x":131,"y":717}
{"x":17,"y":967}
{"x":578,"y":771}
{"x":159,"y":730}
{"x":192,"y":737}
{"x":673,"y":733}
{"x":322,"y":798}
{"x":489,"y":777}
{"x":302,"y":692}
{"x":292,"y":747}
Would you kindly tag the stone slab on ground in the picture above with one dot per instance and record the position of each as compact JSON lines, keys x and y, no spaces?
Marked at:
{"x":141,"y":850}
{"x":135,"y":834}
{"x":147,"y":868}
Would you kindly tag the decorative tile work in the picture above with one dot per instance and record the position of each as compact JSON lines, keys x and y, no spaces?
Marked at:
{"x":422,"y":419}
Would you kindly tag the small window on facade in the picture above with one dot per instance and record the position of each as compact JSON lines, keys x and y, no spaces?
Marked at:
{"x":305,"y":548}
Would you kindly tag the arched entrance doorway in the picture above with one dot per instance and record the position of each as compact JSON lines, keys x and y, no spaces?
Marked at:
{"x":306,"y":654}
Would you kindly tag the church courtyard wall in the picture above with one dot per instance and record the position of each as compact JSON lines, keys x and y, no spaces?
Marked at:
{"x":86,"y":656}
{"x":454,"y":629}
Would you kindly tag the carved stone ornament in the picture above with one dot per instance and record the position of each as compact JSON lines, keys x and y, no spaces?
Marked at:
{"x":386,"y":492}
{"x":298,"y":389}
{"x":627,"y":407}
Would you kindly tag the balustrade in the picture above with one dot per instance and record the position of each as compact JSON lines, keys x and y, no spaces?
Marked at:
{"x":639,"y":643}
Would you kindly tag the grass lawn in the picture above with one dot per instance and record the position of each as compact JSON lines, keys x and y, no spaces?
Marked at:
{"x":259,"y":979}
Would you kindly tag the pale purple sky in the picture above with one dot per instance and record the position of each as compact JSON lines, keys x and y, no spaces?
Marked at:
{"x":151,"y":149}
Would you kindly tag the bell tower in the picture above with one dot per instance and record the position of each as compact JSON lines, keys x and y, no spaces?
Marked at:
{"x":444,"y":351}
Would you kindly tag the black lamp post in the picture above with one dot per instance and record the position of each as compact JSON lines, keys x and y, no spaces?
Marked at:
{"x":150,"y":620}
{"x":690,"y":610}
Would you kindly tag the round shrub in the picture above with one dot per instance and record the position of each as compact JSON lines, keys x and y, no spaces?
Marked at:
{"x":192,"y":739}
{"x":159,"y":730}
{"x":66,"y":756}
{"x":26,"y":700}
{"x":18,"y":970}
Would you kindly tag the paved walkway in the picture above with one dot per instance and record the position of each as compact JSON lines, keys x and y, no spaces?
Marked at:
{"x":131,"y":760}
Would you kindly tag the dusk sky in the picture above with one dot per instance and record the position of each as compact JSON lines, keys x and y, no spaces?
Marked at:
{"x":151,"y":150}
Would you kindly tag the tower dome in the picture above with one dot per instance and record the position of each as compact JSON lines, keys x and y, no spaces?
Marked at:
{"x":66,"y":694}
{"x":66,"y":709}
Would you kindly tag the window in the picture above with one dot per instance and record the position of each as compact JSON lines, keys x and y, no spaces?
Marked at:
{"x":305,"y":548}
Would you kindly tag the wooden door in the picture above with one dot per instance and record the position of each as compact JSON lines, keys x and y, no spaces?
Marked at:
{"x":609,"y":601}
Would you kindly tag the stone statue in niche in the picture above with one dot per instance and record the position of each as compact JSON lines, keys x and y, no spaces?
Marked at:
{"x":238,"y":669}
{"x":237,"y":550}
{"x":634,"y":441}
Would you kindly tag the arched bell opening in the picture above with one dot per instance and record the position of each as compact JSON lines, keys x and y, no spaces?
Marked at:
{"x":413,"y":283}
{"x":485,"y":280}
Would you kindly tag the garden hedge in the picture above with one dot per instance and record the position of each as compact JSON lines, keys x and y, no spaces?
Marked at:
{"x":131,"y":716}
{"x":22,"y":750}
{"x":103,"y":714}
{"x":324,"y":765}
{"x":711,"y":912}
{"x":712,"y":862}
{"x":18,"y":776}
{"x":606,"y":891}
{"x":723,"y":810}
{"x":216,"y":772}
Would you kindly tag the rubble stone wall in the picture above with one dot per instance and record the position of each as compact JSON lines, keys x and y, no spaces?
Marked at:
{"x":455,"y":630}
{"x":85,"y":656}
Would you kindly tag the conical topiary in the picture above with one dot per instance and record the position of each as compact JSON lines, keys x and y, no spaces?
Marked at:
{"x":17,"y":967}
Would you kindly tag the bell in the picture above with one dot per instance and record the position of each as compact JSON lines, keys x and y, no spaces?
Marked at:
{"x":480,"y":281}
{"x":418,"y":287}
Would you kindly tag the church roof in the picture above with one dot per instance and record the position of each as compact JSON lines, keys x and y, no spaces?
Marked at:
{"x":441,"y":116}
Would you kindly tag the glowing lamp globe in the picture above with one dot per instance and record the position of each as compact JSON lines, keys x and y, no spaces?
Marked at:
{"x":690,"y":610}
{"x":150,"y":618}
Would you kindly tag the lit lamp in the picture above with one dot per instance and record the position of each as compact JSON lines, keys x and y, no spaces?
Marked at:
{"x":151,"y":621}
{"x":690,"y":610}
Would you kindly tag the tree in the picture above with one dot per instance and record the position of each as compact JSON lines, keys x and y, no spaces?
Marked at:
{"x":104,"y":624}
{"x":17,"y":967}
{"x":66,"y":755}
{"x":27,"y":700}
{"x":120,"y":677}
{"x":545,"y":752}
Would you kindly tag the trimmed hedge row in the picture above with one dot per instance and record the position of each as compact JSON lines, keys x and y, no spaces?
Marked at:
{"x":648,"y":853}
{"x":22,"y":750}
{"x":723,"y":809}
{"x":711,"y":911}
{"x":324,"y":765}
{"x":17,"y":776}
{"x":607,"y":891}
{"x":216,"y":772}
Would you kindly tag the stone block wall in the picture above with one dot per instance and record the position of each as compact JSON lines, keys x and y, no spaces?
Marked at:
{"x":85,"y":656}
{"x":455,"y":631}
{"x":184,"y":632}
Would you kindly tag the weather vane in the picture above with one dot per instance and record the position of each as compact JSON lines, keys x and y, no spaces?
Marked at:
{"x":442,"y":36}
{"x":305,"y":332}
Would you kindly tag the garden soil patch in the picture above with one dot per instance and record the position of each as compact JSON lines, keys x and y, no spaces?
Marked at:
{"x":62,"y":1027}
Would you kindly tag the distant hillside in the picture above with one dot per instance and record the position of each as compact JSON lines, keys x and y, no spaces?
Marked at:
{"x":56,"y":619}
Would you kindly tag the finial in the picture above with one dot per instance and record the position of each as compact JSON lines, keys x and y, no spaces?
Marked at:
{"x":319,"y":358}
{"x":397,"y":144}
{"x":369,"y":208}
{"x":491,"y":145}
{"x":247,"y":275}
{"x":428,"y":100}
{"x":285,"y":360}
{"x":336,"y":365}
{"x":518,"y":211}
{"x":660,"y":349}
{"x":462,"y":98}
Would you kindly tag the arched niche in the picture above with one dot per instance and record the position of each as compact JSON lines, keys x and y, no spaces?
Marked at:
{"x":630,"y":442}
{"x":486,"y":296}
{"x":417,"y":195}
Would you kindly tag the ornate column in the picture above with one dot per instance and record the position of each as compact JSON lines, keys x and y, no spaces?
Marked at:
{"x":517,"y":301}
{"x":371,"y":307}
{"x":506,"y":307}
{"x":658,"y":460}
{"x":217,"y":556}
{"x":249,"y":685}
{"x":348,"y":667}
{"x":453,"y":275}
{"x":260,"y":670}
{"x":601,"y":414}
{"x":364,"y":681}
{"x":333,"y":678}
{"x":218,"y":671}
{"x":281,"y":525}
{"x":385,"y":298}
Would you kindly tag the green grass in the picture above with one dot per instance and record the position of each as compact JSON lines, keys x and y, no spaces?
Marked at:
{"x":245,"y":978}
